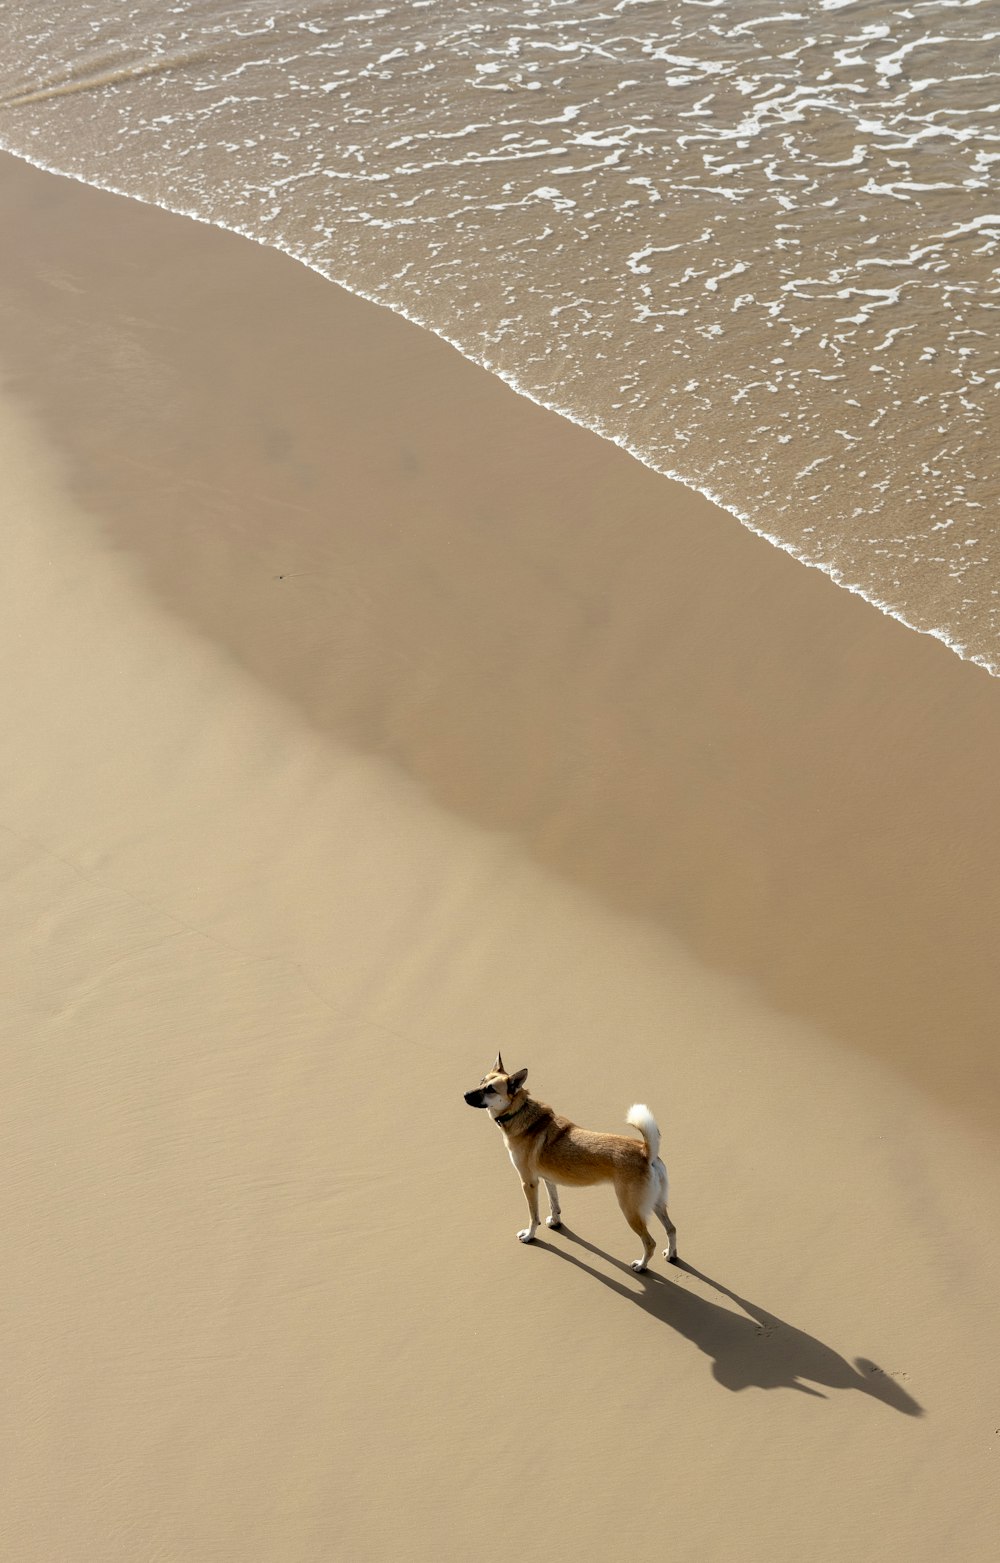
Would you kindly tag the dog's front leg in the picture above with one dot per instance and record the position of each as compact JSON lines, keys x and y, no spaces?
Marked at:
{"x":554,"y":1217}
{"x":531,"y":1195}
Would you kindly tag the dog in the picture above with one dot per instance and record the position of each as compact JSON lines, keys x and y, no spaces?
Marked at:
{"x":543,"y":1145}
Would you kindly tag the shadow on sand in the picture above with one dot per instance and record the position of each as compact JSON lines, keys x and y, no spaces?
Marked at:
{"x":749,"y":1348}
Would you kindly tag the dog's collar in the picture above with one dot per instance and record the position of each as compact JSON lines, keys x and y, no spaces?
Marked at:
{"x":507,"y":1117}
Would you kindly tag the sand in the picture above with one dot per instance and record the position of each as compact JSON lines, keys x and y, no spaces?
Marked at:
{"x":362,"y":718}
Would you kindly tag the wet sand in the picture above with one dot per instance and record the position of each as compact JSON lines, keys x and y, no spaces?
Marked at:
{"x":362,"y":718}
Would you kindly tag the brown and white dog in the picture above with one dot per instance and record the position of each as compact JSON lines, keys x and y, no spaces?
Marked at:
{"x":543,"y":1145}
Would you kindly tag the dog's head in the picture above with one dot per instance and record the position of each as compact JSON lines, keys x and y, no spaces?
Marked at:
{"x":497,"y":1089}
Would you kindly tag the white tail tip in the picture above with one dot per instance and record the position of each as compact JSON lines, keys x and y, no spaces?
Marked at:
{"x":640,"y":1117}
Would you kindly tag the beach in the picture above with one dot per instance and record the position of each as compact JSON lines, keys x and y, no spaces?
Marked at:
{"x":364,"y":718}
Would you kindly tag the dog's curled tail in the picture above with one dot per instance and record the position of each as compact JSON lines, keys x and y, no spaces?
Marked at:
{"x":642,"y":1119}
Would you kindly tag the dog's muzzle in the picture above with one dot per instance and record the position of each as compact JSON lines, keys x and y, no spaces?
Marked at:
{"x":475,"y":1098}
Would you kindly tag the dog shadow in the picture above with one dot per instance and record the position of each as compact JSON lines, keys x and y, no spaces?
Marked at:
{"x":750,"y":1348}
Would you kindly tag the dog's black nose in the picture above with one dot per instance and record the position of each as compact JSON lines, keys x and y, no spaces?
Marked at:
{"x":474,"y":1098}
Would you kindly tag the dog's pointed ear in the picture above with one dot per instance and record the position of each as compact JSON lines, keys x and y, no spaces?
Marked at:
{"x":498,"y":1068}
{"x":515,"y":1082}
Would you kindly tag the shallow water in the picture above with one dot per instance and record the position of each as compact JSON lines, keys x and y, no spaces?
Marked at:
{"x":756,"y":246}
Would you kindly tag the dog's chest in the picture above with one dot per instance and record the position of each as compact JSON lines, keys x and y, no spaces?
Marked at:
{"x":519,"y":1156}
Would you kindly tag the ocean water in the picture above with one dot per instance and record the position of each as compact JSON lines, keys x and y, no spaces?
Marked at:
{"x":754,"y":244}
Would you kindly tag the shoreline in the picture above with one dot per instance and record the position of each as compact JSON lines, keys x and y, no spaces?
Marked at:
{"x":832,"y":572}
{"x":363,"y":719}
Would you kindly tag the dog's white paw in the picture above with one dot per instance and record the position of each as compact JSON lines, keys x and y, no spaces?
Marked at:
{"x":639,"y":1265}
{"x":670,"y":1256}
{"x":555,"y":1222}
{"x":527,"y":1236}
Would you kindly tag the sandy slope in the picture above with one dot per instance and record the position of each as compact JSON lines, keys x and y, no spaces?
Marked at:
{"x":361,"y":718}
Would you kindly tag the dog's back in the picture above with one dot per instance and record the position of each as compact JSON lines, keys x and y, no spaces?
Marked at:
{"x":571,"y":1155}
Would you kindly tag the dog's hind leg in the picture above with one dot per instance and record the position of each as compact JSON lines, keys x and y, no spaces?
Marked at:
{"x":660,"y":1207}
{"x":554,"y":1217}
{"x":670,"y":1252}
{"x":636,"y":1218}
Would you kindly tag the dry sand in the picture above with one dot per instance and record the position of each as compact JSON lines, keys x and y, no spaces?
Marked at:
{"x":361,"y":718}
